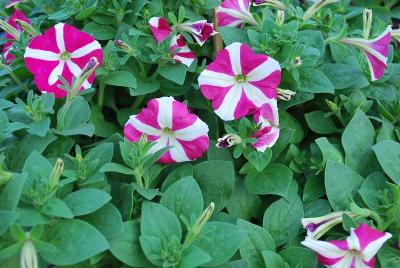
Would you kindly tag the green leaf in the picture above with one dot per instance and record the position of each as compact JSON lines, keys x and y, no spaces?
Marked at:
{"x":231,"y":35}
{"x":118,"y":168}
{"x":100,"y":32}
{"x":121,"y":79}
{"x":370,"y":189}
{"x":86,"y":201}
{"x":341,"y":183}
{"x":282,"y":219}
{"x":296,"y":256}
{"x":193,"y":257}
{"x":107,"y":220}
{"x":159,"y":221}
{"x":40,"y":128}
{"x":357,"y":140}
{"x":75,"y":241}
{"x":126,"y":247}
{"x":216,"y":179}
{"x":259,"y":159}
{"x":329,"y":151}
{"x":152,"y":247}
{"x":314,"y":81}
{"x":343,"y":75}
{"x":256,"y":240}
{"x":388,"y":154}
{"x":273,"y":260}
{"x":320,"y":124}
{"x":56,"y":207}
{"x":274,"y":179}
{"x":174,"y":72}
{"x":220,"y":240}
{"x":183,"y":198}
{"x":7,"y":218}
{"x":144,"y":87}
{"x":11,"y":193}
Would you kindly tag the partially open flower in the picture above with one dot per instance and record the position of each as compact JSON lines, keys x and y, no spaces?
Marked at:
{"x":267,"y":119}
{"x":285,"y":94}
{"x":280,"y":18}
{"x":168,"y":122}
{"x":357,"y":251}
{"x":28,"y":257}
{"x":181,"y":52}
{"x":64,"y":51}
{"x":12,"y":3}
{"x":375,"y":50}
{"x":201,"y":30}
{"x":235,"y":13}
{"x":317,"y":227}
{"x":240,"y":81}
{"x":228,"y":141}
{"x":160,"y":28}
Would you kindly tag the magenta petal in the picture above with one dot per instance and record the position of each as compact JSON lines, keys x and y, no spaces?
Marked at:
{"x":367,"y":235}
{"x":160,"y":28}
{"x":376,"y":66}
{"x":195,"y":149}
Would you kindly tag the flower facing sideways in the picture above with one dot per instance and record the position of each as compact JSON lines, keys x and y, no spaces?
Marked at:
{"x":168,"y":122}
{"x":375,"y":50}
{"x":201,"y":30}
{"x":61,"y":51}
{"x":239,"y":81}
{"x":235,"y":13}
{"x":181,"y":52}
{"x":160,"y":28}
{"x":318,"y":226}
{"x":267,"y":119}
{"x":357,"y":251}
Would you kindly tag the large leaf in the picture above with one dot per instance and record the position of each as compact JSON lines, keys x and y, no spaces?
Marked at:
{"x":11,"y":193}
{"x":86,"y":201}
{"x":314,"y":81}
{"x":388,"y":154}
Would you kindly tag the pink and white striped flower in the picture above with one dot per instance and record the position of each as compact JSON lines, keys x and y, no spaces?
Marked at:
{"x":181,"y":52}
{"x":160,"y":28}
{"x":239,"y":81}
{"x":61,"y":50}
{"x":268,"y":120}
{"x":17,"y":14}
{"x":235,"y":13}
{"x":168,"y":122}
{"x":357,"y":251}
{"x":375,"y":50}
{"x":12,"y":3}
{"x":201,"y":30}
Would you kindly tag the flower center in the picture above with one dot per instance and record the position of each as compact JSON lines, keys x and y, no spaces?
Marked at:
{"x":64,"y":55}
{"x":167,"y":131}
{"x":240,"y":78}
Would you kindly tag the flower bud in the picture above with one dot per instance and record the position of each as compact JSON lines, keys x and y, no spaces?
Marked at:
{"x":285,"y":94}
{"x":228,"y":141}
{"x":280,"y":17}
{"x":317,"y":6}
{"x":198,"y":226}
{"x":123,"y":46}
{"x":9,"y":29}
{"x":272,"y":3}
{"x":396,"y":35}
{"x":28,"y":257}
{"x":332,"y":106}
{"x":27,"y":27}
{"x":56,"y":173}
{"x":297,"y":62}
{"x":89,"y":68}
{"x":367,"y":22}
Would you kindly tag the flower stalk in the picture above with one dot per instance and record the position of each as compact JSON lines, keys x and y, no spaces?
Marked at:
{"x":9,"y":29}
{"x":198,"y":226}
{"x":27,"y":27}
{"x":315,"y":7}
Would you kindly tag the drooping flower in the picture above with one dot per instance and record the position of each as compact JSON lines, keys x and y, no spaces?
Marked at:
{"x":160,"y":28}
{"x":181,"y":52}
{"x":168,"y":122}
{"x":267,"y":119}
{"x":12,"y":3}
{"x":17,"y":14}
{"x":229,"y":140}
{"x":235,"y":13}
{"x":239,"y":81}
{"x":375,"y":50}
{"x":201,"y":30}
{"x":61,"y":50}
{"x":318,"y":226}
{"x":357,"y":251}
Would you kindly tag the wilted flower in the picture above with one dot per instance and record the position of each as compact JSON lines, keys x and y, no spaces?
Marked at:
{"x":239,"y":81}
{"x":228,"y":141}
{"x":28,"y":257}
{"x":181,"y":52}
{"x":267,"y":119}
{"x":168,"y":122}
{"x":285,"y":94}
{"x":201,"y":30}
{"x":317,"y":5}
{"x":12,"y":33}
{"x":160,"y":28}
{"x":375,"y":50}
{"x":273,"y":3}
{"x":235,"y":13}
{"x":61,"y":50}
{"x":318,"y":226}
{"x":357,"y":251}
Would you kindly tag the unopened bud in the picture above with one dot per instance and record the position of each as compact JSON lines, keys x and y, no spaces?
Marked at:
{"x":124,"y":46}
{"x":27,"y":27}
{"x":367,"y":22}
{"x":9,"y":29}
{"x":396,"y":35}
{"x":228,"y":141}
{"x":280,"y":17}
{"x":56,"y":173}
{"x":285,"y":94}
{"x":297,"y":62}
{"x":205,"y":216}
{"x":272,"y":3}
{"x":89,"y":68}
{"x":28,"y":256}
{"x":332,"y":106}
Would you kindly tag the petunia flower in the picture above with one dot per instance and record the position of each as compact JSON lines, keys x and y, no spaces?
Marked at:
{"x":357,"y":251}
{"x":168,"y":122}
{"x":317,"y":5}
{"x":273,"y":3}
{"x":160,"y":28}
{"x":181,"y":52}
{"x":240,"y":81}
{"x":375,"y":50}
{"x":201,"y":30}
{"x":17,"y":14}
{"x":229,"y":140}
{"x":318,"y":226}
{"x":12,"y":3}
{"x":267,"y":119}
{"x":63,"y":51}
{"x":235,"y":13}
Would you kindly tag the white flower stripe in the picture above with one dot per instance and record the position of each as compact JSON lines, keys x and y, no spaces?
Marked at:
{"x":177,"y":152}
{"x":216,"y":79}
{"x":234,"y":55}
{"x":142,"y":127}
{"x":53,"y":77}
{"x":60,"y":36}
{"x":370,"y":251}
{"x":183,"y":60}
{"x":86,"y":49}
{"x":40,"y":54}
{"x":323,"y":248}
{"x":160,"y":143}
{"x":255,"y":95}
{"x":192,"y":132}
{"x":263,"y":70}
{"x":165,"y":113}
{"x":228,"y":106}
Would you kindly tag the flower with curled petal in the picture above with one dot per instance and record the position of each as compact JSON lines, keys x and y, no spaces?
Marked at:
{"x":181,"y":52}
{"x":63,"y":51}
{"x":357,"y":251}
{"x":160,"y":28}
{"x":201,"y":30}
{"x":268,"y":120}
{"x":168,"y":122}
{"x":235,"y":13}
{"x":240,"y":81}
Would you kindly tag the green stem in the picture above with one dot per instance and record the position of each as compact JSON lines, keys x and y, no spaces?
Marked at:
{"x":142,"y":68}
{"x":102,"y":88}
{"x":14,"y":77}
{"x":138,"y":178}
{"x":60,"y":123}
{"x":138,"y":101}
